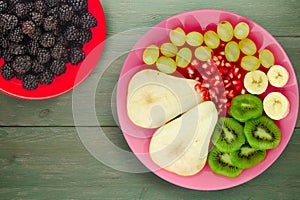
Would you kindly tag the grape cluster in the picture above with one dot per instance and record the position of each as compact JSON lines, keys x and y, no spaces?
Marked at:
{"x":39,"y":37}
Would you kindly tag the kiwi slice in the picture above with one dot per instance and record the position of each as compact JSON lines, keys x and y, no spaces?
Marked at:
{"x":246,"y":106}
{"x":228,"y":135}
{"x":262,"y":133}
{"x":247,"y":156}
{"x":220,"y":163}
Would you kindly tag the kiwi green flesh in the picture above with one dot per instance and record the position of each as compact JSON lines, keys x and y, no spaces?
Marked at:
{"x":246,"y":106}
{"x":228,"y":135}
{"x":247,"y":156}
{"x":220,"y":163}
{"x":262,"y":133}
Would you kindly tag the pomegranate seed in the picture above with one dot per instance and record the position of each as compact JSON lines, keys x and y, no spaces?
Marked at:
{"x":236,"y":82}
{"x":239,"y":76}
{"x":220,"y":57}
{"x":226,"y":81}
{"x":222,"y":53}
{"x":217,"y":63}
{"x":231,"y":75}
{"x":197,"y":87}
{"x":223,"y":100}
{"x":223,"y":63}
{"x":228,"y":104}
{"x":197,"y":78}
{"x":195,"y":63}
{"x":205,"y":85}
{"x":190,"y":70}
{"x":231,"y":94}
{"x":215,"y":58}
{"x":204,"y":66}
{"x":228,"y":85}
{"x":229,"y":65}
{"x":243,"y":91}
{"x":236,"y":71}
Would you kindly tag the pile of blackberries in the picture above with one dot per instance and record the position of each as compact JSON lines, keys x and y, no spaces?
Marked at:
{"x":39,"y":37}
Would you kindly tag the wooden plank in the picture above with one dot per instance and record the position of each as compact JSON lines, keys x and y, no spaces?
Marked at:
{"x":280,"y":18}
{"x":51,"y":163}
{"x":58,"y":111}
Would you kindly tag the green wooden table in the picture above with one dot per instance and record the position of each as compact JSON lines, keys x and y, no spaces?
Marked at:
{"x":42,"y":157}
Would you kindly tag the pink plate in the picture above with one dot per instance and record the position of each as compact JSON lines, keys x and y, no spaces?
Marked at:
{"x":139,"y":138}
{"x":74,"y":74}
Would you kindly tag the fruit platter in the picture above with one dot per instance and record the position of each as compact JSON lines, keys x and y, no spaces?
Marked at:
{"x":207,"y":100}
{"x":46,"y":47}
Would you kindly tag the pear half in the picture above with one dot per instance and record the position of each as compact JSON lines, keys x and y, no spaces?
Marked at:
{"x":181,"y":146}
{"x":154,"y":98}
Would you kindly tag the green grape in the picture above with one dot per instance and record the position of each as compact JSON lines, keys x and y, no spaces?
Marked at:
{"x":250,"y":63}
{"x":178,"y":37}
{"x":232,"y":51}
{"x":150,"y":54}
{"x":225,"y":31}
{"x":166,"y":65}
{"x":241,"y":30}
{"x":266,"y":58}
{"x":203,"y":53}
{"x":211,"y":39}
{"x":194,"y":38}
{"x":168,"y":49}
{"x":184,"y":57}
{"x":248,"y":47}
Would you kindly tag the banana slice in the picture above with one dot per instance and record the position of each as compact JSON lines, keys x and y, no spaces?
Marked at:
{"x":276,"y":105}
{"x":278,"y":76}
{"x":256,"y":82}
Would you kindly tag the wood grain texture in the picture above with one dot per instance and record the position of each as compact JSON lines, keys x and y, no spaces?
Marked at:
{"x":280,"y":18}
{"x":42,"y":157}
{"x":58,"y":111}
{"x":51,"y":163}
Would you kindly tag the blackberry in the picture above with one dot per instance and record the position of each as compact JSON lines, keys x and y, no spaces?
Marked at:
{"x":28,"y":27}
{"x":17,"y":49}
{"x":33,"y":47}
{"x":66,"y":12}
{"x":76,"y":55}
{"x":22,"y":64}
{"x":37,"y":67}
{"x":3,"y":6}
{"x":88,"y":21}
{"x":84,"y":36}
{"x":40,"y":6}
{"x":58,"y":67}
{"x":59,"y":51}
{"x":30,"y":82}
{"x":37,"y":18}
{"x":43,"y":56}
{"x":71,"y":33}
{"x":7,"y":71}
{"x":47,"y":40}
{"x":4,"y":43}
{"x":50,"y":23}
{"x":76,"y":21}
{"x":21,"y":10}
{"x":7,"y":56}
{"x":16,"y":35}
{"x":36,"y":34}
{"x":8,"y":22}
{"x":46,"y":77}
{"x":78,"y":5}
{"x":51,"y":3}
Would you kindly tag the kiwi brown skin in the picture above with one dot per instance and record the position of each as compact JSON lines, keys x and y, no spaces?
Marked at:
{"x":220,"y":163}
{"x":246,"y":106}
{"x":247,"y":156}
{"x":262,"y":133}
{"x":228,"y":135}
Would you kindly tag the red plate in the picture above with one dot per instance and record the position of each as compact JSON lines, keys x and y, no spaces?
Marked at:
{"x":138,"y":138}
{"x":74,"y":74}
